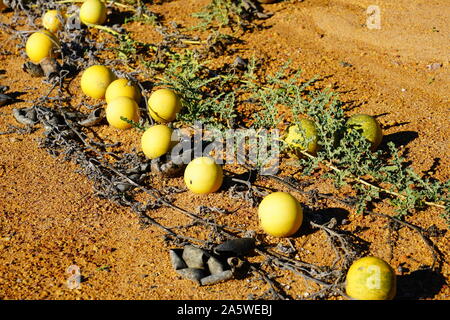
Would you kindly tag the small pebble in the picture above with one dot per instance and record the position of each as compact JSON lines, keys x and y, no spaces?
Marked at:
{"x":176,"y":260}
{"x":193,"y":274}
{"x":194,"y":257}
{"x":215,"y":266}
{"x":345,"y":64}
{"x":218,"y":277}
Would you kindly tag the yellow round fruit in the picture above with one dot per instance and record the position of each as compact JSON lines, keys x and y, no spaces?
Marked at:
{"x":93,"y":12}
{"x":203,"y":175}
{"x":156,"y":141}
{"x":296,"y":138}
{"x":369,"y":126}
{"x":163,"y":105}
{"x":122,"y":107}
{"x":370,"y":278}
{"x":52,"y":20}
{"x":40,"y":45}
{"x":280,"y":214}
{"x":122,"y":88}
{"x":95,"y":80}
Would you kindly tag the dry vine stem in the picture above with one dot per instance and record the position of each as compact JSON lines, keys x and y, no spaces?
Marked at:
{"x":428,"y":242}
{"x":305,"y":270}
{"x":329,"y":279}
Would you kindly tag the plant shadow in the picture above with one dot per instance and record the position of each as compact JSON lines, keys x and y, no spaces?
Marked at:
{"x":332,"y":218}
{"x":15,"y":97}
{"x":323,"y":216}
{"x":433,"y":169}
{"x":385,"y":127}
{"x":419,"y":284}
{"x":148,"y":85}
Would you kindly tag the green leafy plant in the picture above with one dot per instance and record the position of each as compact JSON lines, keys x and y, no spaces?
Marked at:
{"x":216,"y":97}
{"x":212,"y":97}
{"x":375,"y":176}
{"x":220,"y":13}
{"x":235,"y":14}
{"x":205,"y":98}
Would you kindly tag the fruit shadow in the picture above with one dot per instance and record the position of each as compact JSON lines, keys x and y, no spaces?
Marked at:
{"x":242,"y":186}
{"x":118,"y":17}
{"x":401,"y":138}
{"x":231,"y":179}
{"x":419,"y":284}
{"x":148,"y":85}
{"x":320,"y":217}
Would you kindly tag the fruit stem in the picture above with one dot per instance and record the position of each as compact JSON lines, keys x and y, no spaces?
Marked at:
{"x":107,"y":29}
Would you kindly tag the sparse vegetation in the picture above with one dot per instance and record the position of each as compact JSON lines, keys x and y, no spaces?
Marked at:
{"x":217,"y":96}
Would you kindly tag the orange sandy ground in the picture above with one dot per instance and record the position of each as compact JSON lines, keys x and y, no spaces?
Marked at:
{"x":50,"y":218}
